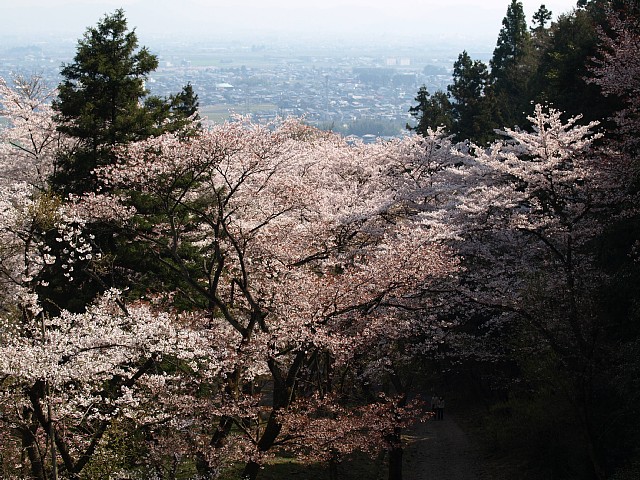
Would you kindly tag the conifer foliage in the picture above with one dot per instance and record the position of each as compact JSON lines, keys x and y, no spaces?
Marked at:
{"x":102,"y":102}
{"x":510,"y":71}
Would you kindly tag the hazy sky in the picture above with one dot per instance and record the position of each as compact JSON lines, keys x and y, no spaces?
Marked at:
{"x":383,"y":20}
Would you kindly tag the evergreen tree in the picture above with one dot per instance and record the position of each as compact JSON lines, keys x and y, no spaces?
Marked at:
{"x":511,"y":66}
{"x":563,"y":69}
{"x":540,"y":30}
{"x":102,"y":104}
{"x":186,"y":102}
{"x":540,"y":19}
{"x":432,"y":111}
{"x":100,"y":101}
{"x":173,"y":114}
{"x":472,"y":106}
{"x":600,"y":9}
{"x":184,"y":108}
{"x":512,"y":40}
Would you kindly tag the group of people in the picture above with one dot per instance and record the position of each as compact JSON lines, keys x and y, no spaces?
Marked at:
{"x":437,"y":407}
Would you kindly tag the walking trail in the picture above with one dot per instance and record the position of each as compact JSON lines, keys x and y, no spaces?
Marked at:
{"x":440,"y":450}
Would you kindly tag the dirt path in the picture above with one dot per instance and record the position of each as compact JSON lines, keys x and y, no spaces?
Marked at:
{"x":440,"y":450}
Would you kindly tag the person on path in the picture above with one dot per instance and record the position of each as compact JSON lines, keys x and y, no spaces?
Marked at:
{"x":440,"y":408}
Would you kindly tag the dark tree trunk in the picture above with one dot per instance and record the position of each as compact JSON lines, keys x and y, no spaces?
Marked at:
{"x":283,"y":388}
{"x":267,"y":439}
{"x":219,"y":437}
{"x":27,"y":437}
{"x":395,"y":455}
{"x":592,"y":450}
{"x":395,"y":439}
{"x":333,"y":468}
{"x":204,"y":469}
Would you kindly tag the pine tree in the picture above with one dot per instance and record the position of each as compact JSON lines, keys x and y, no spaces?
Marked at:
{"x":184,"y":109}
{"x":512,"y":40}
{"x":185,"y":102}
{"x":540,"y":18}
{"x":563,"y":68}
{"x":103,"y":104}
{"x":100,"y":101}
{"x":432,"y":111}
{"x":510,"y":66}
{"x":472,"y":106}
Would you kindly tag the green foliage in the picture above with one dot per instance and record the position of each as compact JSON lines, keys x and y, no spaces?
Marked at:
{"x":102,"y":102}
{"x":432,"y":111}
{"x":473,"y":106}
{"x":151,"y":266}
{"x":117,"y":453}
{"x":99,"y":100}
{"x":185,"y":102}
{"x":560,"y":78}
{"x":599,"y":9}
{"x":546,"y":63}
{"x":513,"y":40}
{"x":511,"y":67}
{"x":540,"y":19}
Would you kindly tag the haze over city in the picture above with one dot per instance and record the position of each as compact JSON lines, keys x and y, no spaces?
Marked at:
{"x":381,"y":21}
{"x":277,"y":57}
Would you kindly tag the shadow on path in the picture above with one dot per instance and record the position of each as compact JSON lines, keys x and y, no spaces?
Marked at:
{"x":440,"y":450}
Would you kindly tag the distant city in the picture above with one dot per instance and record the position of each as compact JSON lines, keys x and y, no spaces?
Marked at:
{"x":364,"y":91}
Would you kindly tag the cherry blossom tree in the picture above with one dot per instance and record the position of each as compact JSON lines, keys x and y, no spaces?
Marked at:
{"x":300,"y":259}
{"x":536,"y":205}
{"x":617,"y":70}
{"x":65,"y":379}
{"x":30,"y":141}
{"x":295,"y":242}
